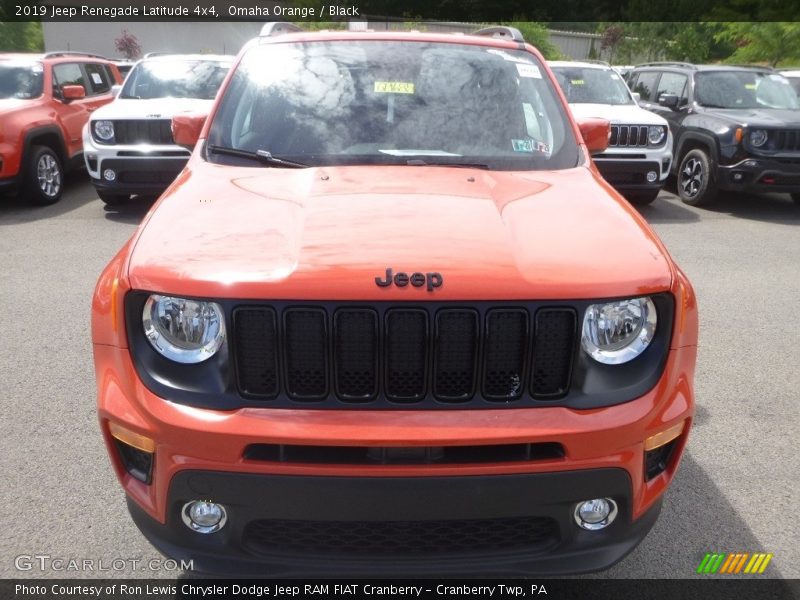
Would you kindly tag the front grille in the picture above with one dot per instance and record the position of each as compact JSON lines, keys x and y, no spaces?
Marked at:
{"x":398,"y":538}
{"x":393,"y":356}
{"x":630,"y":136}
{"x":786,"y":140}
{"x":150,"y":131}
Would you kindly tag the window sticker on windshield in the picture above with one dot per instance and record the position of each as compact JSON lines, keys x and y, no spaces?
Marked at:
{"x":394,"y":87}
{"x":577,"y":81}
{"x":510,"y":57}
{"x":526,"y":70}
{"x":529,"y":146}
{"x":96,"y":78}
{"x":750,"y":86}
{"x":779,"y":78}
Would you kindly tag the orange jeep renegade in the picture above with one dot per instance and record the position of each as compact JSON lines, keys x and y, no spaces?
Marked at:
{"x":390,"y":319}
{"x":45,"y":100}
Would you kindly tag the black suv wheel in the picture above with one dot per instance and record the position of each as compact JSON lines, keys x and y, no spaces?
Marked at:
{"x":695,"y":179}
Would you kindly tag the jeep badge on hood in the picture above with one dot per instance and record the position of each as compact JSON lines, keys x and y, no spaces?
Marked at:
{"x":430,"y":280}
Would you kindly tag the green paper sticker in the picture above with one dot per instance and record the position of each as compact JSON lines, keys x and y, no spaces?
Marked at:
{"x":394,"y":87}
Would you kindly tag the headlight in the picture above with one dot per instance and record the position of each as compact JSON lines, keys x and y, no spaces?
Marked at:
{"x":758,"y":137}
{"x":186,"y":331}
{"x":656,"y":134}
{"x":617,"y":332}
{"x":104,"y":130}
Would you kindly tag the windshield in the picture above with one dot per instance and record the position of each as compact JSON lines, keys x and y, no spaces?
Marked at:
{"x":744,"y":89}
{"x":175,"y":79}
{"x":586,"y":85}
{"x":379,"y":102}
{"x":795,"y":83}
{"x":22,"y":80}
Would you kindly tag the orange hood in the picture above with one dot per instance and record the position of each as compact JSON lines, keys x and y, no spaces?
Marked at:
{"x":327,"y":233}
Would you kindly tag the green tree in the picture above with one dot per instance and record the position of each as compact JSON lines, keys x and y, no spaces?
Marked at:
{"x":23,"y":36}
{"x":537,"y":35}
{"x":769,"y":42}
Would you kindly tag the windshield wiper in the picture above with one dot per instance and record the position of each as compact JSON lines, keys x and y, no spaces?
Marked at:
{"x":416,"y":162}
{"x":262,"y":156}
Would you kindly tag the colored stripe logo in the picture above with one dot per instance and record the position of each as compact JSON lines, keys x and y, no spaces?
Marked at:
{"x":734,"y":563}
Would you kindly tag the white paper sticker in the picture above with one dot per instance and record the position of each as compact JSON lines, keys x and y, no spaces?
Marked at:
{"x":528,"y":71}
{"x":97,"y":79}
{"x":510,"y":57}
{"x":779,"y":78}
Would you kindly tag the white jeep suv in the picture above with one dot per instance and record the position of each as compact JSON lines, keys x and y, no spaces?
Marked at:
{"x":128,"y":145}
{"x":639,"y":153}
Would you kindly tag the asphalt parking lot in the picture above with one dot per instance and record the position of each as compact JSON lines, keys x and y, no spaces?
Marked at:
{"x":736,"y":491}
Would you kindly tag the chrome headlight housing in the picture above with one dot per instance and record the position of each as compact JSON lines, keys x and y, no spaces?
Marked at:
{"x":103,"y":130}
{"x":656,"y":134}
{"x":183,"y":330}
{"x":758,"y":137}
{"x":617,"y":332}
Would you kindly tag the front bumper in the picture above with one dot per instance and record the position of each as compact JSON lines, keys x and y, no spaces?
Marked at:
{"x":200,"y":454}
{"x":760,"y":175}
{"x":627,"y":169}
{"x":344,"y":524}
{"x":138,"y":169}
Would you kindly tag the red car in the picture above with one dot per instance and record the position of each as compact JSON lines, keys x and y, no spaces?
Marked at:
{"x":390,"y":319}
{"x":45,"y":100}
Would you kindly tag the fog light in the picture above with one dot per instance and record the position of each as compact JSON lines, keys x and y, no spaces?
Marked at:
{"x":595,"y":514}
{"x":109,"y":175}
{"x":652,"y":176}
{"x":738,"y":176}
{"x":203,"y":516}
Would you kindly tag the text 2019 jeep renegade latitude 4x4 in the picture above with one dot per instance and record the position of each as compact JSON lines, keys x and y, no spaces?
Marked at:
{"x":390,"y":318}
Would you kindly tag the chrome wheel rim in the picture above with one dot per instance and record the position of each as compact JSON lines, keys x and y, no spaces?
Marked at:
{"x":692,"y":177}
{"x":49,"y":175}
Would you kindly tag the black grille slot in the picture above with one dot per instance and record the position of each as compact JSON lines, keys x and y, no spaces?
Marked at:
{"x":552,"y":353}
{"x":642,"y":136}
{"x":504,"y":354}
{"x":368,"y":538}
{"x":149,"y":131}
{"x":369,"y":455}
{"x":256,"y":351}
{"x":612,"y":141}
{"x":455,"y":355}
{"x":786,"y":140}
{"x":356,"y":354}
{"x":406,"y":354}
{"x":306,"y":353}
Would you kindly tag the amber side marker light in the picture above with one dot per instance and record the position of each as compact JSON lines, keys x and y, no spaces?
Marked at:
{"x":664,"y":437}
{"x":136,"y":440}
{"x":739,"y":135}
{"x":136,"y":452}
{"x":658,"y":450}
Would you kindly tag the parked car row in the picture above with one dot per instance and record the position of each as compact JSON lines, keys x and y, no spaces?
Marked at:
{"x":61,"y":110}
{"x":731,"y":128}
{"x":715,"y":127}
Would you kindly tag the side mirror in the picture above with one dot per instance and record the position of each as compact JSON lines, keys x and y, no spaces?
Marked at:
{"x":73,"y":92}
{"x":186,"y":128}
{"x":669,"y":100}
{"x":637,"y":97}
{"x":115,"y":90}
{"x":596,"y":133}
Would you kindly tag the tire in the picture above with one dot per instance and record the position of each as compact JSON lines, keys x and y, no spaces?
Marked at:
{"x":796,"y":198}
{"x":43,"y":181}
{"x":642,"y":198}
{"x":111,"y":199}
{"x":695,"y":180}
